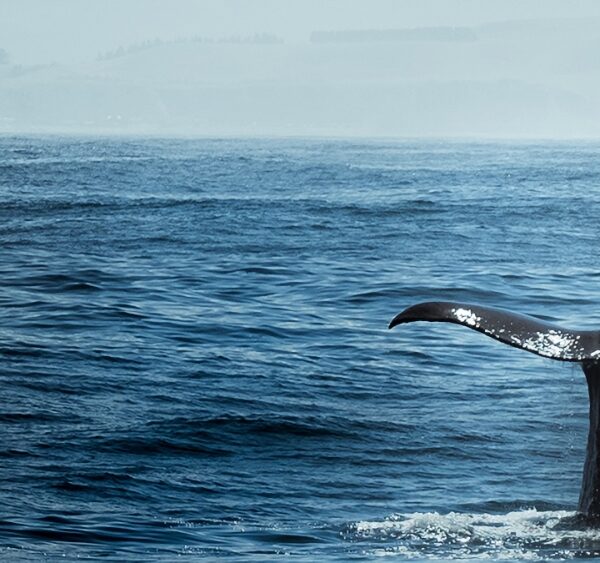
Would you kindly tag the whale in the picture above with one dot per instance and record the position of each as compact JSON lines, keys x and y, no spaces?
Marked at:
{"x":544,"y":339}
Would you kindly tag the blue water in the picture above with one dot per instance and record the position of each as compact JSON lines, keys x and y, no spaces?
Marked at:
{"x":195,"y":361}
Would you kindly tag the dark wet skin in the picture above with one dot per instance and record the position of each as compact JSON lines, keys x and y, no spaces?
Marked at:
{"x":544,"y":339}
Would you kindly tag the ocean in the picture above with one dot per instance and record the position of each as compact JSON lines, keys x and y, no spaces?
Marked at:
{"x":195,"y":362}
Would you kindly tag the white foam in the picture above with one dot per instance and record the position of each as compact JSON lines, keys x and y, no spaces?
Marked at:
{"x":521,"y":535}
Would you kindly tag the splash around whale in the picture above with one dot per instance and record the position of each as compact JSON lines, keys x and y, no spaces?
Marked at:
{"x":544,"y":339}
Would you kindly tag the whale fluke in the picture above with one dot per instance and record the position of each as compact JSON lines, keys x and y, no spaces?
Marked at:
{"x":542,"y":338}
{"x":521,"y":331}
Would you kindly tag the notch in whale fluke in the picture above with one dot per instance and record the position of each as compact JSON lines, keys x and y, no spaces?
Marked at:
{"x":521,"y":331}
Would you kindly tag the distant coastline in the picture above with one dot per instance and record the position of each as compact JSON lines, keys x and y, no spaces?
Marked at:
{"x":378,"y":35}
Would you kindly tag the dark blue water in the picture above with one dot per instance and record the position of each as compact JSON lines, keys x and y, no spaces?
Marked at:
{"x":194,"y":359}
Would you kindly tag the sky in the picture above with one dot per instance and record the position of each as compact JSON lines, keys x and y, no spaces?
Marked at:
{"x":534,"y":72}
{"x":71,"y":31}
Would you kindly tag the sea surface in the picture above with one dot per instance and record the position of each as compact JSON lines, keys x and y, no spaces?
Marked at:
{"x":195,"y":362}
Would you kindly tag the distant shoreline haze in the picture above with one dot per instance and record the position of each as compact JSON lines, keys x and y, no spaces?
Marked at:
{"x":375,"y":35}
{"x":516,"y":79}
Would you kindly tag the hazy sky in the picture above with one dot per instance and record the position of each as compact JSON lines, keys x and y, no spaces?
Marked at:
{"x":41,"y":31}
{"x":537,"y":76}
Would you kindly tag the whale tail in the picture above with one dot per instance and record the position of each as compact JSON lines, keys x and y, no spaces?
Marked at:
{"x":542,"y":338}
{"x":521,"y":331}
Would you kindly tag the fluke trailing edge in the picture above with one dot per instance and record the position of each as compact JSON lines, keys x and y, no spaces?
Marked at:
{"x":521,"y":331}
{"x":542,"y":338}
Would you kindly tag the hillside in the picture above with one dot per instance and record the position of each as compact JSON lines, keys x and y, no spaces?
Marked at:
{"x":514,"y":79}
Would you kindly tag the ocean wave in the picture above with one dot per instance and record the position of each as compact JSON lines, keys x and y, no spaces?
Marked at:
{"x":526,"y":534}
{"x":202,"y":336}
{"x":219,"y":436}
